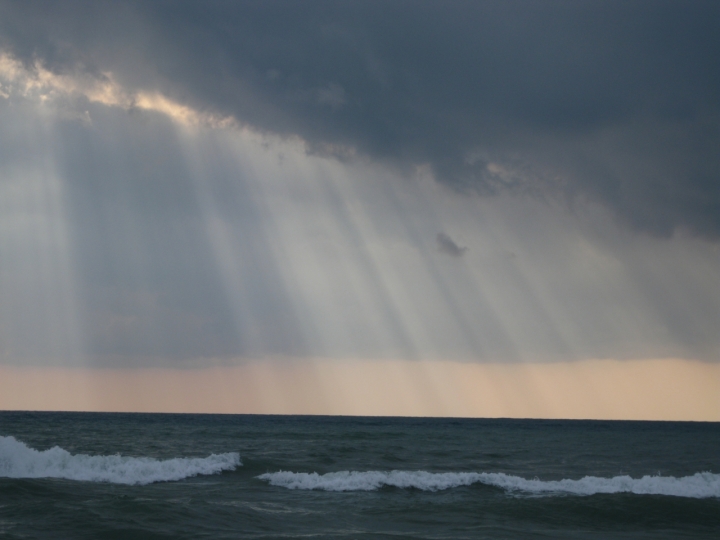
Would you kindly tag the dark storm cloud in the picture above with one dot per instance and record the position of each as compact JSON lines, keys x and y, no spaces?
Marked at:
{"x":448,"y":246}
{"x":615,"y":101}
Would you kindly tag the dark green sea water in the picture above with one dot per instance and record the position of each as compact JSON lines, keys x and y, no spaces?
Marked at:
{"x":226,"y":476}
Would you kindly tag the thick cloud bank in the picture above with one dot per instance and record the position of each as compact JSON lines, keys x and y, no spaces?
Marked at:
{"x":617,"y":102}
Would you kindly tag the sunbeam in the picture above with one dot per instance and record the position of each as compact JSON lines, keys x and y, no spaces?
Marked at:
{"x":39,"y":318}
{"x":141,"y":233}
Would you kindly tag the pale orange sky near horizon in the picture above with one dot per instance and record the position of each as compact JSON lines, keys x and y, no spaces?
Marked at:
{"x":663,"y":389}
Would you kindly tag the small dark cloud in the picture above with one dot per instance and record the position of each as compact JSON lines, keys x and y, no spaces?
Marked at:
{"x":448,"y":246}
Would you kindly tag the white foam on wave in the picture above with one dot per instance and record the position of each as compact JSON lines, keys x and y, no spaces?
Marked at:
{"x":17,"y":460}
{"x":699,"y":485}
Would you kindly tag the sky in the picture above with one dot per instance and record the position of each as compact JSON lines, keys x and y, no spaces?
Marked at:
{"x":439,"y":208}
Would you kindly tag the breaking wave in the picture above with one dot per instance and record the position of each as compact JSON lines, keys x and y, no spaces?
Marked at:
{"x":17,"y":460}
{"x":699,"y":485}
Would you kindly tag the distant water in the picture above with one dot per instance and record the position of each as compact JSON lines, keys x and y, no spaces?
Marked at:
{"x":146,"y":476}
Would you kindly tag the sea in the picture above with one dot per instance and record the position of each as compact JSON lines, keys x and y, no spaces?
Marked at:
{"x":153,"y":476}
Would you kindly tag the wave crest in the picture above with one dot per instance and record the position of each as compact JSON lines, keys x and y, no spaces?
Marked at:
{"x":699,"y":485}
{"x":17,"y":460}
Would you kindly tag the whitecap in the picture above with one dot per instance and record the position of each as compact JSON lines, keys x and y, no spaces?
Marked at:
{"x":699,"y":485}
{"x":17,"y":460}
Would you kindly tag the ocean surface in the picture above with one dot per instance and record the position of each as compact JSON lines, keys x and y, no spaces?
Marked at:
{"x":88,"y":475}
